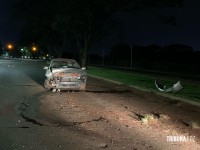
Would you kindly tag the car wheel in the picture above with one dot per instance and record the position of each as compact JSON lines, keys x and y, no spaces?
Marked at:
{"x":46,"y":85}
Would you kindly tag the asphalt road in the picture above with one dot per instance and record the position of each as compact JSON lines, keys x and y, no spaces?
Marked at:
{"x":20,"y":81}
{"x":23,"y":126}
{"x":21,"y":85}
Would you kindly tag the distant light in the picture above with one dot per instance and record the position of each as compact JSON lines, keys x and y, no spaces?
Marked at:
{"x":10,"y":46}
{"x":34,"y":48}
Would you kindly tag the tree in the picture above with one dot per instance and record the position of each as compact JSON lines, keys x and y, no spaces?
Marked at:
{"x":80,"y":20}
{"x":38,"y":17}
{"x":120,"y":53}
{"x":1,"y":49}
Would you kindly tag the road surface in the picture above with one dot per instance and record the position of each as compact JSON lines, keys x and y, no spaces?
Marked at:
{"x":106,"y":116}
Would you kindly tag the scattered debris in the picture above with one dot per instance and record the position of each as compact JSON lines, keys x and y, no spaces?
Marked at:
{"x":195,"y":125}
{"x":126,"y":107}
{"x":10,"y":66}
{"x":103,"y":145}
{"x":164,"y":117}
{"x":53,"y":90}
{"x":174,"y":89}
{"x":148,"y":118}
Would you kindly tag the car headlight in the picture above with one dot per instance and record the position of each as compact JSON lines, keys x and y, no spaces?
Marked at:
{"x":56,"y":78}
{"x":83,"y":77}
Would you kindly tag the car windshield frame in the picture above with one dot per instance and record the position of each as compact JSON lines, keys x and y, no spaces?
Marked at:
{"x":65,"y":64}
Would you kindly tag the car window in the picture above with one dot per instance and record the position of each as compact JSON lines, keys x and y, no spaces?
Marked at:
{"x":61,"y":64}
{"x":73,"y":65}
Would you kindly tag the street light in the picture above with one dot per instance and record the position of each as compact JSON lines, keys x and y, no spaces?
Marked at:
{"x":34,"y":48}
{"x":10,"y":46}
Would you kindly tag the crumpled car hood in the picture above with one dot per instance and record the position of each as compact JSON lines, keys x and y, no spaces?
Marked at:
{"x":62,"y":72}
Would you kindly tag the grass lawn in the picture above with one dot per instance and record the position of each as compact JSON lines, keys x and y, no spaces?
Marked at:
{"x":145,"y":81}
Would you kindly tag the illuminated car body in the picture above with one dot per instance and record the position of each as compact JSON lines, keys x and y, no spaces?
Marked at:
{"x":65,"y":74}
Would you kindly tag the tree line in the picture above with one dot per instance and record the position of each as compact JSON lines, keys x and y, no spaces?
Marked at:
{"x":52,"y":24}
{"x":175,"y":57}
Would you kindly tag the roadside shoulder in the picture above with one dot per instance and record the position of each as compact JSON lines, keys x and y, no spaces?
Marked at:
{"x":147,"y":90}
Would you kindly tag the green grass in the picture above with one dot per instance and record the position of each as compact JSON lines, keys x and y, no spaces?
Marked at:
{"x":145,"y":81}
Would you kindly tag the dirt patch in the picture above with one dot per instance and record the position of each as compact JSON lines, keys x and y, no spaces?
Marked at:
{"x":125,"y":118}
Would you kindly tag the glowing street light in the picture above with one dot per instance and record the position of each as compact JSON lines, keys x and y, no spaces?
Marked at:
{"x":10,"y":46}
{"x":34,"y":48}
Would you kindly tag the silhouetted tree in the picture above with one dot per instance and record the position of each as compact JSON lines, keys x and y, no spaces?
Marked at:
{"x":120,"y":53}
{"x":54,"y":22}
{"x":1,"y":49}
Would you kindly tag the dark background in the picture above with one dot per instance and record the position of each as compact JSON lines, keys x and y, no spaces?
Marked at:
{"x":160,"y":38}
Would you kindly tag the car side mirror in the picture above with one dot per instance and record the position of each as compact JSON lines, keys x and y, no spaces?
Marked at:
{"x":45,"y":67}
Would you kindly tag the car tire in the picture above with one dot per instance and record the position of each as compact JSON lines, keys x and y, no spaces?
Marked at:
{"x":46,"y":85}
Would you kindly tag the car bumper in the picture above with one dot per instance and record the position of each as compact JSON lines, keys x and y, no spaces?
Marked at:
{"x":68,"y":85}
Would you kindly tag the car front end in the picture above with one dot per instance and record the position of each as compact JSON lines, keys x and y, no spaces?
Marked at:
{"x":65,"y":78}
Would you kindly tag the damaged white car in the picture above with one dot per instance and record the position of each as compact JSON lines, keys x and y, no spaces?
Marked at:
{"x":65,"y":74}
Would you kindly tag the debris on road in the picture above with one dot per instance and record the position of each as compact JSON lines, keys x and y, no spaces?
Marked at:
{"x":177,"y":87}
{"x":103,"y":145}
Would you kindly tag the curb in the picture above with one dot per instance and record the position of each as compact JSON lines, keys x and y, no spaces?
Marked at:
{"x":191,"y":102}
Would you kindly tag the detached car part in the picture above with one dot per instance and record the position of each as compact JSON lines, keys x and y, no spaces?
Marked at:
{"x":65,"y":74}
{"x":177,"y":87}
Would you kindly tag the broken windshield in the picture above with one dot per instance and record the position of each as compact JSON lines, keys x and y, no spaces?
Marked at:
{"x":61,"y":64}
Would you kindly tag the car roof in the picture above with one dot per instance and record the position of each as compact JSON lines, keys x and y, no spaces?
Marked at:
{"x":63,"y":59}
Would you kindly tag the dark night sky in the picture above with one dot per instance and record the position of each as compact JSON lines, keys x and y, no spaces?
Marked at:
{"x":9,"y":30}
{"x":141,"y":27}
{"x":145,"y":28}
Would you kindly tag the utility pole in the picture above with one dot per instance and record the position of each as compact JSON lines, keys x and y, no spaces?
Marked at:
{"x":131,"y":56}
{"x":103,"y":57}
